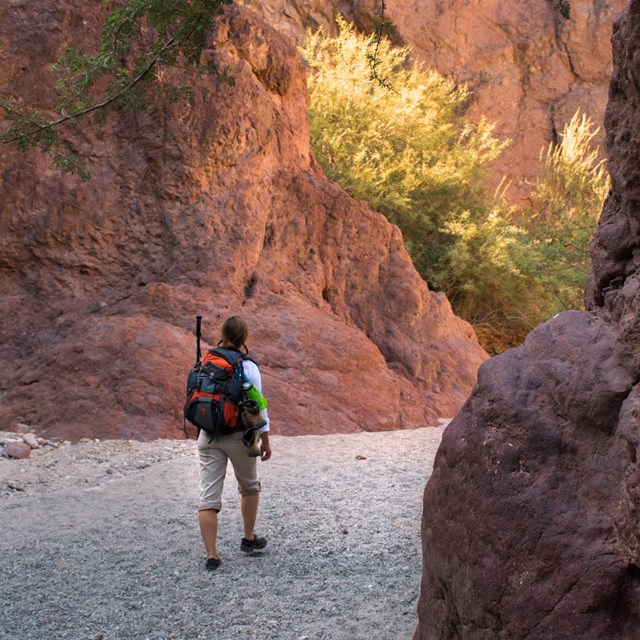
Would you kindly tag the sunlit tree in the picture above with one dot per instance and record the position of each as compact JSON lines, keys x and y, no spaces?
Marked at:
{"x":162,"y":33}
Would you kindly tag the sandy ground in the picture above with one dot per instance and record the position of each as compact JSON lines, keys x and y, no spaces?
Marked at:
{"x":99,"y":541}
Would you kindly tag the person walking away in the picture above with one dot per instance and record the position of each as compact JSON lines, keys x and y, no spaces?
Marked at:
{"x":214,"y":455}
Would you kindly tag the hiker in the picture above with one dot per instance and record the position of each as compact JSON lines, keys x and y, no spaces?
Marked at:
{"x":214,"y":454}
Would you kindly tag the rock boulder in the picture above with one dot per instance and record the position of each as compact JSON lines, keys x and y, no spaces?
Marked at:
{"x":16,"y":450}
{"x":530,"y":526}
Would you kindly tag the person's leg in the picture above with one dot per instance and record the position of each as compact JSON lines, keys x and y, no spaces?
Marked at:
{"x":249,"y":508}
{"x":246,"y":470}
{"x":208,"y":520}
{"x":213,"y":467}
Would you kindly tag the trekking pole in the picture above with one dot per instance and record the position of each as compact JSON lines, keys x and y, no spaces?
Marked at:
{"x":198,"y":335}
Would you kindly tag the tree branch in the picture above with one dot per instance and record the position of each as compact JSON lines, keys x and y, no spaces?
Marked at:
{"x":101,"y":105}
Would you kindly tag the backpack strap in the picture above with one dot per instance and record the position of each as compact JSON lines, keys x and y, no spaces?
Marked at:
{"x":246,"y":357}
{"x":230,"y":355}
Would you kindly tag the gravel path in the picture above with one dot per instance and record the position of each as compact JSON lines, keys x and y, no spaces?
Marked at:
{"x":99,"y":541}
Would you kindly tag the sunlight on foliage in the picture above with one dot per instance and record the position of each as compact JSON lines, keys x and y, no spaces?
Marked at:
{"x":410,"y":153}
{"x":506,"y":277}
{"x":485,"y":279}
{"x":413,"y":156}
{"x":566,"y":203}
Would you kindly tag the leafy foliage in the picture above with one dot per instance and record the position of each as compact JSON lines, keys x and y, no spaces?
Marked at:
{"x":529,"y":271}
{"x":412,"y":155}
{"x":488,"y":277}
{"x":161,"y":32}
{"x":566,"y":203}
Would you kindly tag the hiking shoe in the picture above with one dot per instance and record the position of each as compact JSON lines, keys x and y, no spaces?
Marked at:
{"x":257,"y":544}
{"x":213,"y":564}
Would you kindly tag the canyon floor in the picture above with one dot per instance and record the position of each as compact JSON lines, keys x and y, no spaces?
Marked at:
{"x":100,"y":542}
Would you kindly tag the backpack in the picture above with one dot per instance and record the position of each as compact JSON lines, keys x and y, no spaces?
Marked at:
{"x":214,"y":390}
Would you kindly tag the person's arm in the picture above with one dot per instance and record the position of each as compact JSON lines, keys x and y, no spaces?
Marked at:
{"x":252,"y":374}
{"x":265,"y":447}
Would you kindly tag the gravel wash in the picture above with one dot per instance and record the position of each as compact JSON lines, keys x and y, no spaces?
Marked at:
{"x":99,"y":541}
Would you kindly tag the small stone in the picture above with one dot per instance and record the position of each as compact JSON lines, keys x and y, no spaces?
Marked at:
{"x":359,"y":457}
{"x":16,"y":486}
{"x":85,"y":441}
{"x":31,"y":440}
{"x":43,"y":442}
{"x":17,"y":450}
{"x":344,"y":530}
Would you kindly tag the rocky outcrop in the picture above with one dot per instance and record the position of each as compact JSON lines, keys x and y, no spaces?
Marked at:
{"x":211,"y":206}
{"x":529,"y":68}
{"x":530,"y":526}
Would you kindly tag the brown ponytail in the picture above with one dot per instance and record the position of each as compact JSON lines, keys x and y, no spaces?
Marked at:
{"x":235,"y":333}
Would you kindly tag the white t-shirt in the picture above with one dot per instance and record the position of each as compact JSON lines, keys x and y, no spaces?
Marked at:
{"x":252,"y":374}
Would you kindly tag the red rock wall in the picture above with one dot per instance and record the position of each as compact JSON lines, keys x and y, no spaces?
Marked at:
{"x":212,"y":206}
{"x":528,"y":68}
{"x":530,"y":526}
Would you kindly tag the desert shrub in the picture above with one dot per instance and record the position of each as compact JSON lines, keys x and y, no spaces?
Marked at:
{"x":406,"y":147}
{"x":489,"y":278}
{"x":566,"y":203}
{"x":408,"y":151}
{"x":534,"y":262}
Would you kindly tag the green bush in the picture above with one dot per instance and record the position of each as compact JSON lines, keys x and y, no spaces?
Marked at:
{"x":410,"y":152}
{"x":566,"y":203}
{"x":529,"y":271}
{"x":486,"y":275}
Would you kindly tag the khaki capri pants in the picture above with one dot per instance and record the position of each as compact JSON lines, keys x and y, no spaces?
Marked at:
{"x":213,"y":468}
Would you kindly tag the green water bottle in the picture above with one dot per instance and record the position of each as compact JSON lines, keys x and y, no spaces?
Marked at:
{"x":253,"y":394}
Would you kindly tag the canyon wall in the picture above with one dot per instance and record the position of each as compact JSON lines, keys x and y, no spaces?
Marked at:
{"x":530,"y":526}
{"x":213,"y":205}
{"x":528,"y":68}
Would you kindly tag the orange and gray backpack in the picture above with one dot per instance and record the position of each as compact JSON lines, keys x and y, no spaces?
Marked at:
{"x":214,"y":390}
